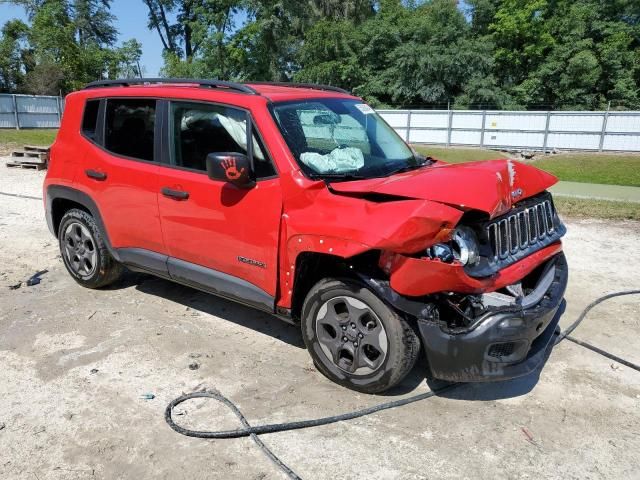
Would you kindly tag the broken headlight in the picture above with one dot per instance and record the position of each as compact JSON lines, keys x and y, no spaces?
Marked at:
{"x":463,"y":247}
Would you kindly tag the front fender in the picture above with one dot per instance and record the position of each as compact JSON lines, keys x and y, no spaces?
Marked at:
{"x":344,"y":226}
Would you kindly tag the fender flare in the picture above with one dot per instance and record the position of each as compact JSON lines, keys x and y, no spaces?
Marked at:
{"x":55,"y":192}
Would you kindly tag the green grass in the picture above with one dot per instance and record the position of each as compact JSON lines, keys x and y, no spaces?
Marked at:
{"x":583,"y":208}
{"x":458,"y":155}
{"x":606,"y":169}
{"x":11,"y":139}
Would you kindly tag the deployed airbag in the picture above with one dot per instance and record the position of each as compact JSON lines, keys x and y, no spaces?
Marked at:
{"x":339,"y":160}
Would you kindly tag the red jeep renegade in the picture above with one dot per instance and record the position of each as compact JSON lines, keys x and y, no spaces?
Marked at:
{"x":299,"y":200}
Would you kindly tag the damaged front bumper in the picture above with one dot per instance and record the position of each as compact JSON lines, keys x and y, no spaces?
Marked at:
{"x":508,"y":341}
{"x":510,"y":338}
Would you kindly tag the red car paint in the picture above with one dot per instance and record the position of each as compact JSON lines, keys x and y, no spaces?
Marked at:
{"x":280,"y":218}
{"x":485,"y":186}
{"x":417,"y":277}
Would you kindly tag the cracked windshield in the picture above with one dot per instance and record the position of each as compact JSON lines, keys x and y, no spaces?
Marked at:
{"x":334,"y":138}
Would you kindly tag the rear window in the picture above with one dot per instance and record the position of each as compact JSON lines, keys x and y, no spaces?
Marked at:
{"x":130,"y":127}
{"x":90,"y":118}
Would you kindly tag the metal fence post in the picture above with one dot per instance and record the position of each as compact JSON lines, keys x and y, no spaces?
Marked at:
{"x":59,"y":105}
{"x":15,"y":112}
{"x":408,"y":139}
{"x":484,"y":121}
{"x":603,"y":132}
{"x":546,"y":132}
{"x":449,"y":127}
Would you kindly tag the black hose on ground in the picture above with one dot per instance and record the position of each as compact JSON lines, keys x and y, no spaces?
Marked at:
{"x":253,"y":432}
{"x":565,"y":333}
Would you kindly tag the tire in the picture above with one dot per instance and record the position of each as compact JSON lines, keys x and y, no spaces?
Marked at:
{"x":380,"y":349}
{"x":84,"y":251}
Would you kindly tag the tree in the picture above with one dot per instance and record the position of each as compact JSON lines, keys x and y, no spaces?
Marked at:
{"x":58,"y":57}
{"x":482,"y":13}
{"x":198,"y":40}
{"x":14,"y":55}
{"x":330,"y":55}
{"x":193,"y":21}
{"x":93,"y":22}
{"x":71,"y":43}
{"x":403,"y":55}
{"x":46,"y":78}
{"x":568,"y":54}
{"x":125,"y":61}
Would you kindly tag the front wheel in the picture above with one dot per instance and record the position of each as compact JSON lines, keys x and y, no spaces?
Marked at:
{"x":355,"y":339}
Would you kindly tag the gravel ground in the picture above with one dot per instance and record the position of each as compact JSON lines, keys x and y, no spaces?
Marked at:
{"x":75,"y":364}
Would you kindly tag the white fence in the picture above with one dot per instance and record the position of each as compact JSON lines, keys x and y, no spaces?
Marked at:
{"x":598,"y":131}
{"x":30,"y":111}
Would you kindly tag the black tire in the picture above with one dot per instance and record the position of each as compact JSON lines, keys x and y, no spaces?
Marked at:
{"x":403,"y":345}
{"x":84,"y":252}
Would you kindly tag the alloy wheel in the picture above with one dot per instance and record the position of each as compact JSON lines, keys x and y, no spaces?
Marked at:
{"x":351,"y":335}
{"x":80,"y":250}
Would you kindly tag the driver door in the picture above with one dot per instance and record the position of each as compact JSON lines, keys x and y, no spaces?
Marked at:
{"x":219,"y":237}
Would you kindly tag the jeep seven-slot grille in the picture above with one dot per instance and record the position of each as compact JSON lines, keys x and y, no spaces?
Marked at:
{"x":521,"y":230}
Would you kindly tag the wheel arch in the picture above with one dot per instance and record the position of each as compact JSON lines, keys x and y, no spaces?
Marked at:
{"x":311,"y":267}
{"x":61,"y":199}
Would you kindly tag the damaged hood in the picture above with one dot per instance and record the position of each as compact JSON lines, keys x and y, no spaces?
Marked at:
{"x":490,"y":186}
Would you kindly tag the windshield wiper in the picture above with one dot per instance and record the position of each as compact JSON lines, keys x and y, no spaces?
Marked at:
{"x":422,"y":162}
{"x":336,"y":176}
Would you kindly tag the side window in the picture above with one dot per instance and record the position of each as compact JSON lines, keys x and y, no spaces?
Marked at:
{"x":90,"y":118}
{"x":129,"y":127}
{"x":198,"y":130}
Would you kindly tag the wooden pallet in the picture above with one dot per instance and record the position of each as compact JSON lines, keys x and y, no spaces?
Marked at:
{"x":34,"y":165}
{"x":36,"y":148}
{"x":31,"y":155}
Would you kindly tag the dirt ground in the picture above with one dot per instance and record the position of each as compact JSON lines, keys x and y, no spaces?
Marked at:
{"x":75,"y":364}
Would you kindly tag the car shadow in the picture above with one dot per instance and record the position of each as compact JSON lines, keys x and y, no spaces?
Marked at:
{"x":471,"y":391}
{"x":213,"y":305}
{"x":290,"y":334}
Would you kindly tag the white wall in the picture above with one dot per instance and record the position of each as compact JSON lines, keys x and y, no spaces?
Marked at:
{"x":516,"y":129}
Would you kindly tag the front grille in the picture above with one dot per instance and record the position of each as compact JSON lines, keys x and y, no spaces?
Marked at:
{"x":521,"y":230}
{"x":499,"y":350}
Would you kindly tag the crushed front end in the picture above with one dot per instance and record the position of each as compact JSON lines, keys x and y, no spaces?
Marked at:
{"x":486,"y":309}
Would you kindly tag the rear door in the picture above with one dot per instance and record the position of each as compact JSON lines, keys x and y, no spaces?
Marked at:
{"x":121,"y":172}
{"x":219,"y":236}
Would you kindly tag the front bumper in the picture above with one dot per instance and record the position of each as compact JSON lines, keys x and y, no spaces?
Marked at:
{"x":506,"y":342}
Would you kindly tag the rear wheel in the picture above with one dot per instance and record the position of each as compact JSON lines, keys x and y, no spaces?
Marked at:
{"x":355,"y":339}
{"x":84,"y":251}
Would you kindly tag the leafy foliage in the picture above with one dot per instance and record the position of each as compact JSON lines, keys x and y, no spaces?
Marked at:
{"x":68,"y":44}
{"x":517,"y":54}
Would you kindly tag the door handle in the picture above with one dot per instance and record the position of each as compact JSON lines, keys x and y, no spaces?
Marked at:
{"x":95,"y":174}
{"x":177,"y":194}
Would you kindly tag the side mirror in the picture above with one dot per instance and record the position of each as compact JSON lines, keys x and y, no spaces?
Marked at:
{"x":231,"y":167}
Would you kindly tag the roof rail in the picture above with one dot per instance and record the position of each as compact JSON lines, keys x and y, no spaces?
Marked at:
{"x":312,"y":86}
{"x":237,"y":87}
